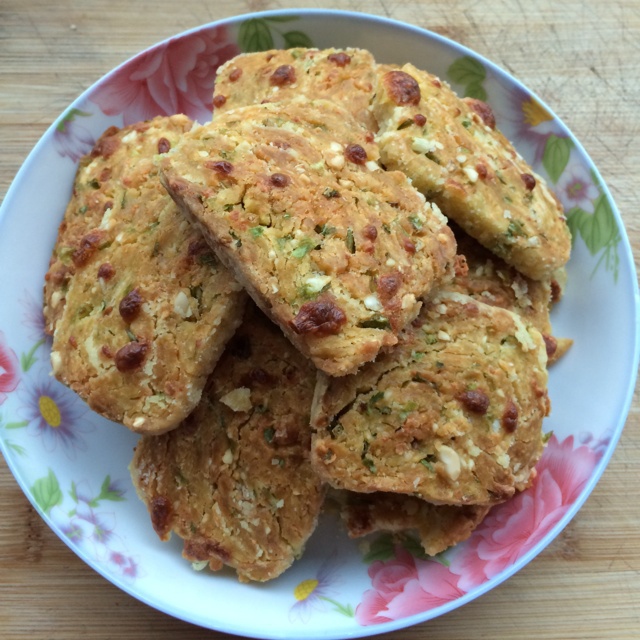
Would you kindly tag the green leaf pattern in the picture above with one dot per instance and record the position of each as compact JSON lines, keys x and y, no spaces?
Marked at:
{"x":46,"y":492}
{"x":471,"y":74}
{"x":556,"y":156}
{"x":261,"y":34}
{"x":13,"y":426}
{"x":599,"y":231}
{"x":27,"y":360}
{"x":345,"y":609}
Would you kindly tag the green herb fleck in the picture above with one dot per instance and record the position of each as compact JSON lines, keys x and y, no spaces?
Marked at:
{"x":416,"y":223}
{"x":515,"y":229}
{"x":235,"y":237}
{"x":283,"y":240}
{"x":303,"y":248}
{"x":405,"y":123}
{"x":256,"y":232}
{"x":370,"y":464}
{"x":330,"y":193}
{"x":377,"y":322}
{"x":351,"y":243}
{"x":410,"y":407}
{"x":268,"y":434}
{"x":325,"y":229}
{"x":372,"y":404}
{"x":336,"y":430}
{"x":429,"y":460}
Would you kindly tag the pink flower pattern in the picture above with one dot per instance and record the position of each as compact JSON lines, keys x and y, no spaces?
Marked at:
{"x":405,"y":585}
{"x":72,"y":139}
{"x":9,"y":369}
{"x":575,"y":188}
{"x":174,"y":77}
{"x":91,"y":527}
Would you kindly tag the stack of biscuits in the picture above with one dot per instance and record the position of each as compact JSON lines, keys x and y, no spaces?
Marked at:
{"x":337,"y":291}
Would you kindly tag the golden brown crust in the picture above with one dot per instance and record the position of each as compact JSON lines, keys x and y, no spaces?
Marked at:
{"x":234,"y":481}
{"x":453,"y":153}
{"x":138,"y":305}
{"x":452,"y":415}
{"x":336,"y":251}
{"x":344,"y":76}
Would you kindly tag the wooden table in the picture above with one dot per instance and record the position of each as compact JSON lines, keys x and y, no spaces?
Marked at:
{"x":582,"y":57}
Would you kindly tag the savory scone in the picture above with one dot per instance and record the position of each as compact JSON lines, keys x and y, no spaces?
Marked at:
{"x":487,"y":278}
{"x":137,"y":303}
{"x":453,"y":414}
{"x":234,"y":481}
{"x":453,"y":153}
{"x":346,"y":76}
{"x":438,"y":526}
{"x":335,"y":250}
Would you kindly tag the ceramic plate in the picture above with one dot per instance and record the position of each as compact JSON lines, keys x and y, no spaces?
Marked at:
{"x":72,"y":464}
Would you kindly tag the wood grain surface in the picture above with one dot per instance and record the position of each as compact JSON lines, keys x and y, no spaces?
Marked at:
{"x":583,"y":58}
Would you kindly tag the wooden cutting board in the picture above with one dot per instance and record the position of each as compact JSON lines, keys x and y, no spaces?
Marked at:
{"x":583,"y":58}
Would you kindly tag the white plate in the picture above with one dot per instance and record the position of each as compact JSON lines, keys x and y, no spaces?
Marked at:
{"x":72,"y":464}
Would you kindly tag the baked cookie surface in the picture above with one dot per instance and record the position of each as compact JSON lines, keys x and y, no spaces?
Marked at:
{"x":336,"y":251}
{"x":234,"y":481}
{"x":345,"y":76}
{"x":137,"y":303}
{"x":487,"y":278}
{"x":453,"y":414}
{"x":453,"y":153}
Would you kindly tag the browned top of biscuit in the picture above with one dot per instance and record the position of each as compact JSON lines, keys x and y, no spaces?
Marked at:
{"x":452,"y":415}
{"x":453,"y":152}
{"x":138,"y":305}
{"x":234,"y":481}
{"x":337,"y":251}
